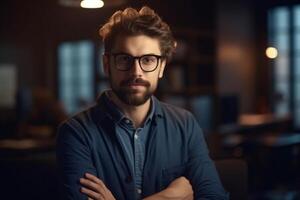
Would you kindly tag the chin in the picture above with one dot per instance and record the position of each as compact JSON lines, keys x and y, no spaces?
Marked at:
{"x":135,"y":100}
{"x":133,"y":96}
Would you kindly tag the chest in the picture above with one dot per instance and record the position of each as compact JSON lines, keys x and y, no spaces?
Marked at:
{"x":166,"y":155}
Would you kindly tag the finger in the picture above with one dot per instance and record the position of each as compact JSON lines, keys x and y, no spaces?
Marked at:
{"x":101,"y":187}
{"x":96,"y":180}
{"x":92,"y":185}
{"x":91,"y":193}
{"x":93,"y":178}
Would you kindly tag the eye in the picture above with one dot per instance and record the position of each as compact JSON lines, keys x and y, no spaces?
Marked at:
{"x":123,"y":58}
{"x":148,"y":59}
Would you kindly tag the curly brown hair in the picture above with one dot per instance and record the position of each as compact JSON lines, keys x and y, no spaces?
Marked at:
{"x":133,"y":22}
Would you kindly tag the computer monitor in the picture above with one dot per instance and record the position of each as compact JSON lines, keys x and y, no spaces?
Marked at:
{"x":202,"y":107}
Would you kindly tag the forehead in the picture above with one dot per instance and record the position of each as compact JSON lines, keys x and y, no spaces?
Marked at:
{"x":137,"y":45}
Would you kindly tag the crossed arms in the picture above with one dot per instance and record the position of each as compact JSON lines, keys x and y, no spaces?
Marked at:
{"x":179,"y":189}
{"x":76,"y":146}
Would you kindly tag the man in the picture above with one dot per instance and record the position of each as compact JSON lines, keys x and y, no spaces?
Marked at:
{"x":130,"y":145}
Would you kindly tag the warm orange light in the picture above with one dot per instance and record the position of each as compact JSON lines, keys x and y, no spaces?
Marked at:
{"x":91,"y":3}
{"x":271,"y":52}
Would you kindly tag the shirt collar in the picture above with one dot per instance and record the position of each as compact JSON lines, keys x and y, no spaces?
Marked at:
{"x":112,"y":110}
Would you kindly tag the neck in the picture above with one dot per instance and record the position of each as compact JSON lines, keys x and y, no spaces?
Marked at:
{"x":137,"y":114}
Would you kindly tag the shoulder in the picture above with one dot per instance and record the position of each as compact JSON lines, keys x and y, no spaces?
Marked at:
{"x":81,"y":124}
{"x":180,"y":124}
{"x":176,"y":115}
{"x":178,"y":118}
{"x":79,"y":119}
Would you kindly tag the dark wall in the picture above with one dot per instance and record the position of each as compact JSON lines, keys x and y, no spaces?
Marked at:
{"x":236,"y":55}
{"x":31,"y":30}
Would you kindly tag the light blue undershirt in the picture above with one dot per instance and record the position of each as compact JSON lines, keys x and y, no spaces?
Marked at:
{"x":134,"y":140}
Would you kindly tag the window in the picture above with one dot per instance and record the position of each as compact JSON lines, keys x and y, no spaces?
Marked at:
{"x":296,"y":62}
{"x":279,"y":38}
{"x":102,"y":83}
{"x":75,"y":74}
{"x":284,"y":34}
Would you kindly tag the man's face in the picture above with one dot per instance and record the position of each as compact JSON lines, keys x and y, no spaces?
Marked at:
{"x":134,"y":86}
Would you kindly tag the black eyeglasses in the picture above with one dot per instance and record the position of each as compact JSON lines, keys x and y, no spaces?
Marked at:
{"x":147,"y":62}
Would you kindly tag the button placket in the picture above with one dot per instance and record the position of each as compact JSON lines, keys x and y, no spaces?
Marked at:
{"x":138,"y":157}
{"x":139,"y":191}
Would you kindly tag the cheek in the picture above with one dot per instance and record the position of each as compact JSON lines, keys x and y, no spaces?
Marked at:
{"x":115,"y":76}
{"x":154,"y":80}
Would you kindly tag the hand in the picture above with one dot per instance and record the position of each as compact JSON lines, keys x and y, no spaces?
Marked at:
{"x":95,"y":189}
{"x":179,"y":189}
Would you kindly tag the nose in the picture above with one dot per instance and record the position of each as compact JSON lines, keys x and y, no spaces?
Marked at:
{"x":136,"y":68}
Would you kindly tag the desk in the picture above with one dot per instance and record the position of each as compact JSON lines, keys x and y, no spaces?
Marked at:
{"x":257,"y":123}
{"x":259,"y":120}
{"x":273,"y":158}
{"x":282,"y":140}
{"x":21,"y":147}
{"x":25,"y":144}
{"x":271,"y":152}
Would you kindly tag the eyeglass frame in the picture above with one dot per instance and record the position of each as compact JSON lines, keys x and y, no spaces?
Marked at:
{"x":158,"y":58}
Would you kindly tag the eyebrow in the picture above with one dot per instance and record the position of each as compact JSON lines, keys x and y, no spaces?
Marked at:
{"x":148,"y":54}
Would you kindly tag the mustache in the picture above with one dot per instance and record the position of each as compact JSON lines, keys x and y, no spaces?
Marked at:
{"x":138,"y":81}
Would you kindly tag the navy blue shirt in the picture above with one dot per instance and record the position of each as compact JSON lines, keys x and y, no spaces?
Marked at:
{"x":88,"y":142}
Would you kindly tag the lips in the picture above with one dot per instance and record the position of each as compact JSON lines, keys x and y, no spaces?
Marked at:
{"x":135,"y":87}
{"x":136,"y":84}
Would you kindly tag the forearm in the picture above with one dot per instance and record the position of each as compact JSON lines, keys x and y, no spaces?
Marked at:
{"x":169,"y":194}
{"x":179,"y":189}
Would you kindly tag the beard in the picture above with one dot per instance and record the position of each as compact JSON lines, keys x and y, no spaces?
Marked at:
{"x":130,"y":96}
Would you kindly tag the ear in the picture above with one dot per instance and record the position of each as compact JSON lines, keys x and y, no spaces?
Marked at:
{"x":162,"y":68}
{"x":105,"y":60}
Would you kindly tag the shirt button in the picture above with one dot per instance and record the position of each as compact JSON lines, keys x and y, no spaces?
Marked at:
{"x":136,"y":136}
{"x":128,"y":179}
{"x":139,"y":191}
{"x":127,"y":121}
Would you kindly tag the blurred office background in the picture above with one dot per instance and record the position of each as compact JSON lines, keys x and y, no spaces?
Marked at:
{"x":237,"y":68}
